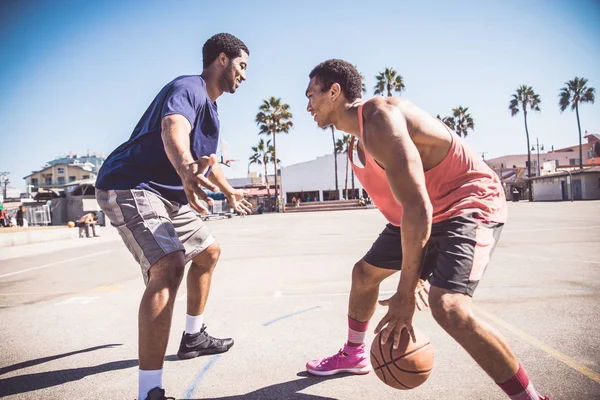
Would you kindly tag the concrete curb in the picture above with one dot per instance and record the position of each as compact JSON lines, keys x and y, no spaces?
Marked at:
{"x":38,"y":236}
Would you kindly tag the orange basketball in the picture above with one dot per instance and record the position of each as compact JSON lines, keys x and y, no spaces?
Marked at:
{"x":406,"y":367}
{"x":71,"y":224}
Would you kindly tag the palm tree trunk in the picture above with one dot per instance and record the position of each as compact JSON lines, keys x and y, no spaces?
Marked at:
{"x":579,"y":128}
{"x":346,"y":187}
{"x":267,"y":178}
{"x":352,"y":174}
{"x":275,"y":163}
{"x":528,"y":158}
{"x":389,"y":90}
{"x":337,"y":190}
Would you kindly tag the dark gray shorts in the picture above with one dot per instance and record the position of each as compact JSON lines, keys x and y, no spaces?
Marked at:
{"x":455,"y":257}
{"x":152,"y":226}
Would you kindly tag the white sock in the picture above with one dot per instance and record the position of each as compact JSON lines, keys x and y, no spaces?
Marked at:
{"x":193,"y":324}
{"x":148,"y":380}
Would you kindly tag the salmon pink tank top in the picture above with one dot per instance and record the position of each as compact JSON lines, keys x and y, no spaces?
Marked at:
{"x":461,"y":184}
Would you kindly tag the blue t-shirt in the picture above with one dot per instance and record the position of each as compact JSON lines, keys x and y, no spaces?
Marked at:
{"x":142,"y":163}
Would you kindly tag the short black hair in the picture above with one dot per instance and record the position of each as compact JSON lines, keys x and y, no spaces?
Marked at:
{"x":94,"y":213}
{"x":222,"y":43}
{"x":342,"y":72}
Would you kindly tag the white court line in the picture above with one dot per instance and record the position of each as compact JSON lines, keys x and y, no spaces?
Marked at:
{"x":55,"y":263}
{"x":280,"y":295}
{"x":321,"y":241}
{"x":548,"y":258}
{"x":552,"y":229}
{"x":77,"y":300}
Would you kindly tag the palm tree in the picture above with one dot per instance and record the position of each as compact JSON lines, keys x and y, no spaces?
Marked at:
{"x":335,"y":153}
{"x":342,"y":147}
{"x":575,"y":92}
{"x":335,"y":147}
{"x":462,"y":121}
{"x":388,"y":81}
{"x":274,"y":117}
{"x":362,"y":80}
{"x":525,"y":98}
{"x":449,"y":121}
{"x":262,"y":156}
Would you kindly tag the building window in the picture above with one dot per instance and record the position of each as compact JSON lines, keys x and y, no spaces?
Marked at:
{"x":573,"y":161}
{"x":61,"y":170}
{"x":48,"y":180}
{"x":85,"y":177}
{"x":61,"y":180}
{"x":34,"y":181}
{"x":72,"y":179}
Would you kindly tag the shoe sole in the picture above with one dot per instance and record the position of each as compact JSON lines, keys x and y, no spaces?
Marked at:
{"x":206,"y":352}
{"x":356,"y":371}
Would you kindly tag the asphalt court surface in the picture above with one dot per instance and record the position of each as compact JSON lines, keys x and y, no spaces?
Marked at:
{"x":69,"y":317}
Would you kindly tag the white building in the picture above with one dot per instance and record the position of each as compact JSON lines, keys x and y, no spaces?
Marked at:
{"x":315,"y":180}
{"x":579,"y":185}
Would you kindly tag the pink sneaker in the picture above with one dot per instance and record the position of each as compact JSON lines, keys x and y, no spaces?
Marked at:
{"x":349,"y":359}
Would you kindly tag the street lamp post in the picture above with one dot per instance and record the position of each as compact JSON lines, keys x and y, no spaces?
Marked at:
{"x":4,"y":180}
{"x":537,"y":145}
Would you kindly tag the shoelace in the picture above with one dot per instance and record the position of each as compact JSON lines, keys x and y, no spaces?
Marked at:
{"x":326,"y":360}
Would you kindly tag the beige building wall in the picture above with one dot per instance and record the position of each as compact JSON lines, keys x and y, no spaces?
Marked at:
{"x":58,"y":175}
{"x":591,"y":186}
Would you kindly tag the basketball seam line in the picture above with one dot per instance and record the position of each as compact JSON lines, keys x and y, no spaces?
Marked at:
{"x":401,"y":357}
{"x":388,"y":368}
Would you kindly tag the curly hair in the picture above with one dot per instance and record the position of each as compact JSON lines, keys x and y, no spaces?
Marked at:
{"x":342,"y":72}
{"x":222,"y":43}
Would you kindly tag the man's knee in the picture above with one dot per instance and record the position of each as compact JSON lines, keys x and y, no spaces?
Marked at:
{"x":168,"y":271}
{"x":365,"y":275}
{"x":209,"y":257}
{"x":451,"y":310}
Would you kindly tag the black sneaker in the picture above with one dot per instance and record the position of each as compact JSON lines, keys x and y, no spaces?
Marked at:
{"x":201,"y":344}
{"x":158,"y":394}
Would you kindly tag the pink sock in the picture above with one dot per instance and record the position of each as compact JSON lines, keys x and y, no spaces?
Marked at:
{"x":356,"y":332}
{"x":519,"y":387}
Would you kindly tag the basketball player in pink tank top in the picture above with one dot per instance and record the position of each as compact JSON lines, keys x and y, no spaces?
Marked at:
{"x":445,"y":209}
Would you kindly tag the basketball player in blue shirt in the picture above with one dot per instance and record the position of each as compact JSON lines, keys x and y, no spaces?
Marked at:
{"x":148,"y":187}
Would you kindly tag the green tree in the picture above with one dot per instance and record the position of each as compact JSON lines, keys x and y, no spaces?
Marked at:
{"x":389,"y":81}
{"x":335,"y":147}
{"x":523,"y":99}
{"x":342,"y":146}
{"x":462,"y":121}
{"x":274,"y":117}
{"x":449,"y":121}
{"x":263,"y":155}
{"x":574,"y":93}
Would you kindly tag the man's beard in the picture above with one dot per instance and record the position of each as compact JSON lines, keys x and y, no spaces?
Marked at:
{"x":229,"y":79}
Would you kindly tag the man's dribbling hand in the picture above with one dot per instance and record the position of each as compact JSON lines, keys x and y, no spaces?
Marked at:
{"x":399,"y":316}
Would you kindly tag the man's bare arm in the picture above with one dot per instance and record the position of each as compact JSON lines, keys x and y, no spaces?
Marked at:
{"x":218,"y":178}
{"x":388,"y":141}
{"x":175,"y":133}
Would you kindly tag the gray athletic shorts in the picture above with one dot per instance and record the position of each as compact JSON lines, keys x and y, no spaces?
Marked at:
{"x":455,"y":258}
{"x":152,"y":226}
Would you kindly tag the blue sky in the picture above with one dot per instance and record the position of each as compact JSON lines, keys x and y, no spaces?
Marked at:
{"x":77,"y":75}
